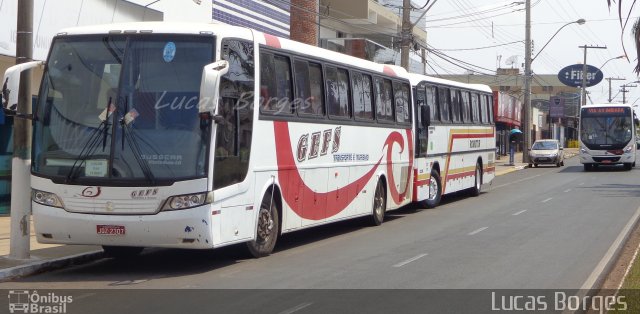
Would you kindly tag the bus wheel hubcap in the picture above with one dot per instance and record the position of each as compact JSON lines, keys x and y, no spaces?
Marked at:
{"x":265,"y":224}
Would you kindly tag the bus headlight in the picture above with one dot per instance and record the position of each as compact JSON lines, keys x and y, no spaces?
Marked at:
{"x":185,"y":201}
{"x":46,"y":198}
{"x":583,"y":150}
{"x":628,"y":149}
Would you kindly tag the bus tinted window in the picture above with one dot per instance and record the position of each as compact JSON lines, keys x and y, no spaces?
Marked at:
{"x":432,"y":102}
{"x":337,"y":82}
{"x":362,"y":96}
{"x":456,"y":106}
{"x":384,"y":100}
{"x":343,"y":87}
{"x":490,"y":108}
{"x":466,"y":107}
{"x":309,"y":97}
{"x":275,"y":81}
{"x":484,"y":109}
{"x":475,"y":108}
{"x":401,"y":93}
{"x":443,"y":104}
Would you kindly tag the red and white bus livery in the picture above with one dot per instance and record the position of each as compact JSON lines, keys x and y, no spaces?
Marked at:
{"x":205,"y":135}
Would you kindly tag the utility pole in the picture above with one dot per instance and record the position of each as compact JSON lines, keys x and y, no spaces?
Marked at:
{"x":405,"y":34}
{"x":613,"y":79}
{"x":624,"y":91}
{"x":20,"y":164}
{"x":584,"y":72}
{"x":526,"y":117}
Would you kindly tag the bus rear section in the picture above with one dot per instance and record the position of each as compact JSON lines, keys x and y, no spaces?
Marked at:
{"x":607,"y":136}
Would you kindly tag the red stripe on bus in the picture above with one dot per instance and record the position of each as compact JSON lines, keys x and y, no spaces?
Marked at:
{"x":272,"y":41}
{"x":461,"y":175}
{"x":460,"y":136}
{"x":321,"y":205}
{"x":388,"y":71}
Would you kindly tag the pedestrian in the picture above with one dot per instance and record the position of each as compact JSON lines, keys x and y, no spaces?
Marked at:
{"x":514,"y":136}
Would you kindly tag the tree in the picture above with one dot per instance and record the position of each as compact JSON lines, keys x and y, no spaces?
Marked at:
{"x":635,"y":30}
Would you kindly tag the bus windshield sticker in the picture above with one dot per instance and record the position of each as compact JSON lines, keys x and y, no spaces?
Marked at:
{"x":169,"y":51}
{"x":96,"y":168}
{"x":106,"y":113}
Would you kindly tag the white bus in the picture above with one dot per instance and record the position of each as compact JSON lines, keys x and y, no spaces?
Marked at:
{"x":206,"y":135}
{"x":607,"y":135}
{"x":455,"y":149}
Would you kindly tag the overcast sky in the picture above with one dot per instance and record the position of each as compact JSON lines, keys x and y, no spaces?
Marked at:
{"x":467,"y":24}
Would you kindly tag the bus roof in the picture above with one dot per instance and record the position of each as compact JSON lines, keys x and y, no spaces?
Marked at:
{"x":606,"y":105}
{"x":415,"y":79}
{"x":225,"y":30}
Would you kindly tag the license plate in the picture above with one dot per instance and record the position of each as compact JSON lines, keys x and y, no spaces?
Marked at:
{"x":543,"y":159}
{"x":110,"y":230}
{"x":606,"y":161}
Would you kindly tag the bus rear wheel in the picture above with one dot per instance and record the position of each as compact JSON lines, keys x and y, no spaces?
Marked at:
{"x":379,"y":204}
{"x":477,"y":185}
{"x":267,"y":228}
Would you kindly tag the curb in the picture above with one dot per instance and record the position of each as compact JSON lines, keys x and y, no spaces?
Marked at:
{"x":47,"y":265}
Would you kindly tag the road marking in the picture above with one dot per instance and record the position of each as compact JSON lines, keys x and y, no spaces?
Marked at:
{"x":517,"y":181}
{"x":478,"y":231}
{"x":296,"y":308}
{"x":550,"y":198}
{"x":608,"y":257}
{"x":520,"y":212}
{"x":567,"y":190}
{"x":413,"y":259}
{"x":582,"y":183}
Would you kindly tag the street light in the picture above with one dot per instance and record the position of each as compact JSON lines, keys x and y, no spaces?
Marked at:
{"x":527,"y":76}
{"x":611,"y":78}
{"x":579,"y":22}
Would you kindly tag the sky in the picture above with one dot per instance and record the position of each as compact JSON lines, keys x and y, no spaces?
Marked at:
{"x":458,"y":27}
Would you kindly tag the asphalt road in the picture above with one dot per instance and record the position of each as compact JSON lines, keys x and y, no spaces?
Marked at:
{"x":539,"y":228}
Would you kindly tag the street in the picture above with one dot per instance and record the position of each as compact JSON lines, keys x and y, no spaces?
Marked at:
{"x":539,"y":228}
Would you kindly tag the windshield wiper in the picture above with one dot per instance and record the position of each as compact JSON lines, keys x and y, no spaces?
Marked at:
{"x":91,"y":144}
{"x":133,"y":144}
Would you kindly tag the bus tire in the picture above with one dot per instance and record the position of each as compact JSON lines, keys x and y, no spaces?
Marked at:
{"x":477,"y":184}
{"x":379,"y":204}
{"x":267,"y":228}
{"x":121,"y":252}
{"x":628,"y":166}
{"x":588,"y":167}
{"x":435,"y":190}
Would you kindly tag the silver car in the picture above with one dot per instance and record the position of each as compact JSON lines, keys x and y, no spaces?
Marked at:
{"x":546,"y":152}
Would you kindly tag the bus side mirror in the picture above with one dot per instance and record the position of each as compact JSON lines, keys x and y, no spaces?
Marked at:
{"x":11,"y":85}
{"x":210,"y":86}
{"x":425,"y":116}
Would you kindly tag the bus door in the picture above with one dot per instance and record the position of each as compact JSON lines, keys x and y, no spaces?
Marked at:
{"x":421,"y":167}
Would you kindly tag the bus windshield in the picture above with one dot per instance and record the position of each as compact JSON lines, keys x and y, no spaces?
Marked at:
{"x":611,"y":130}
{"x":122,"y":108}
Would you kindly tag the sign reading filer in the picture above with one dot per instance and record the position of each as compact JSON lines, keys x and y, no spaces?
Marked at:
{"x":572,"y":75}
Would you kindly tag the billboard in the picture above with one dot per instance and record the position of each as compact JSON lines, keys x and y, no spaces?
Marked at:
{"x":572,"y":75}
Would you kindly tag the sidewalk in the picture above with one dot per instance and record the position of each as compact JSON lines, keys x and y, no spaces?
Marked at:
{"x":46,"y":257}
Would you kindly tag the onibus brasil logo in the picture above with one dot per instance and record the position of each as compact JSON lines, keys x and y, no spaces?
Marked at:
{"x":25,"y":301}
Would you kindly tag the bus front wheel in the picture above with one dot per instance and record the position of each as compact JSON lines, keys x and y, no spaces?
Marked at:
{"x":628,"y":166}
{"x":267,"y":228}
{"x":435,"y":190}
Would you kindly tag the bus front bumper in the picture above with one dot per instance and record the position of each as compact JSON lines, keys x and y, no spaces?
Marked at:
{"x":606,"y":159}
{"x":188,"y":229}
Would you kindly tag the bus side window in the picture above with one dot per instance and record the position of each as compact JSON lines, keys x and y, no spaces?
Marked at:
{"x":362,"y":96}
{"x":384,"y":100}
{"x":475,"y":108}
{"x":275,"y":84}
{"x":432,"y":102}
{"x":443,"y":97}
{"x":466,"y":107}
{"x":401,"y":93}
{"x":456,"y":108}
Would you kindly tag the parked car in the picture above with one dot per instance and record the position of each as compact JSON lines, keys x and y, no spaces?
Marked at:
{"x":546,"y":152}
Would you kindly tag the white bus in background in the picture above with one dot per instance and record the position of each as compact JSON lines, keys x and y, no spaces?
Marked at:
{"x":455,"y":149}
{"x":607,"y":135}
{"x":135,"y":145}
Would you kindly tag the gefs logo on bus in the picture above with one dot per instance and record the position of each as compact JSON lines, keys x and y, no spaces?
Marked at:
{"x":316,"y":144}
